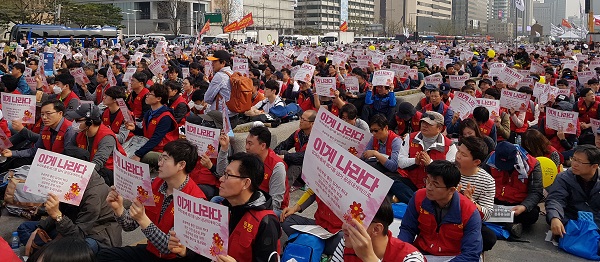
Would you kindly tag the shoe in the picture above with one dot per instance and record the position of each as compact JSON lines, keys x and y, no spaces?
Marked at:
{"x":516,"y":229}
{"x":276,"y":123}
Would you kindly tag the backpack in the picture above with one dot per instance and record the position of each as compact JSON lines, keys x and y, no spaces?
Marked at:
{"x":240,"y":100}
{"x":18,"y":202}
{"x":303,"y":247}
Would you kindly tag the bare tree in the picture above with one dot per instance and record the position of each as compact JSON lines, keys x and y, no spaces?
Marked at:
{"x":23,"y":11}
{"x":226,"y":7}
{"x":175,"y":11}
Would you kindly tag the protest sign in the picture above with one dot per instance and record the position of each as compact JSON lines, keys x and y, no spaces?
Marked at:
{"x":492,"y":105}
{"x":208,"y":69}
{"x":80,"y":76}
{"x":19,"y":107}
{"x":594,"y":63}
{"x":595,"y":124}
{"x":350,"y":187}
{"x":185,"y":72}
{"x":205,"y":138}
{"x":200,"y":225}
{"x":132,"y":179}
{"x":305,"y":73}
{"x":112,"y":80}
{"x":502,"y":214}
{"x":570,"y":64}
{"x":514,"y":100}
{"x":383,"y":78}
{"x":584,"y":76}
{"x":352,"y":84}
{"x":463,"y":104}
{"x":325,"y":86}
{"x":125,"y":111}
{"x":30,"y":80}
{"x":66,"y":177}
{"x":302,"y":56}
{"x":565,"y":121}
{"x":510,"y":76}
{"x":496,"y":68}
{"x":363,"y":61}
{"x":158,"y":66}
{"x":350,"y":137}
{"x":339,"y":59}
{"x":536,"y":68}
{"x":435,"y":79}
{"x":377,"y":59}
{"x":458,"y":81}
{"x":128,"y":73}
{"x":240,"y":65}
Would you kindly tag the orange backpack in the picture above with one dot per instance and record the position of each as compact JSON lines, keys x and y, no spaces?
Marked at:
{"x":240,"y":100}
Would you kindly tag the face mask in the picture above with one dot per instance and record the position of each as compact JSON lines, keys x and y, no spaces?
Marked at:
{"x":57,"y":90}
{"x":76,"y":128}
{"x":199,"y":107}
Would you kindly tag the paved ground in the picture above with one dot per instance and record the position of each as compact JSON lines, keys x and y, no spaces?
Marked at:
{"x":536,"y":250}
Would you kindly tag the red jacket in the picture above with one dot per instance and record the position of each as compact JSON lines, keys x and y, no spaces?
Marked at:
{"x":241,"y":240}
{"x":508,"y":186}
{"x":58,"y":145}
{"x":486,"y":128}
{"x":325,"y":218}
{"x":115,"y":126}
{"x":149,"y":130}
{"x":306,"y":103}
{"x":68,"y":98}
{"x":585,"y":113}
{"x":415,"y":123}
{"x":135,"y":105}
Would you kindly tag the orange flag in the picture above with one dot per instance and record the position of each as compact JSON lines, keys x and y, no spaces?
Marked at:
{"x":566,"y":23}
{"x":344,"y":26}
{"x":206,"y":27}
{"x":231,"y":27}
{"x":246,"y":21}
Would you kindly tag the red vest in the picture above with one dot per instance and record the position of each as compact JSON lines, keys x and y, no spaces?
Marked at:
{"x":586,"y":113}
{"x":445,"y":240}
{"x":396,"y":250}
{"x":508,"y":186}
{"x":325,"y":218}
{"x":270,"y":162}
{"x":151,"y":126}
{"x":16,"y":92}
{"x":100,"y":92}
{"x":68,"y":98}
{"x":297,"y":145}
{"x":166,"y":222}
{"x":388,"y":143}
{"x":486,"y":128}
{"x":513,"y":127}
{"x":305,"y":103}
{"x":429,"y":107}
{"x":136,"y":105}
{"x":424,"y":101}
{"x":58,"y":145}
{"x":115,"y":126}
{"x":4,"y":125}
{"x":241,"y":240}
{"x":37,"y":127}
{"x":417,"y":174}
{"x":103,"y":131}
{"x":202,"y":175}
{"x":175,"y":103}
{"x":415,"y":122}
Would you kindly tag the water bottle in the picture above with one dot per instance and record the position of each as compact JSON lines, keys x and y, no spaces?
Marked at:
{"x":14,"y":244}
{"x":518,"y":140}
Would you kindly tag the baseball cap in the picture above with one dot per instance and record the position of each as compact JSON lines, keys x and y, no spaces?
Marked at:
{"x":445,"y":88}
{"x":220,"y":55}
{"x":86,"y":110}
{"x":433,"y":118}
{"x":505,"y":156}
{"x":406,"y":110}
{"x":429,"y":87}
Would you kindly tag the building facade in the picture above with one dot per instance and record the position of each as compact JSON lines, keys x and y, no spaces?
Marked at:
{"x":549,"y":12}
{"x":424,"y":16}
{"x":271,"y":14}
{"x":323,"y":16}
{"x":469,"y":17}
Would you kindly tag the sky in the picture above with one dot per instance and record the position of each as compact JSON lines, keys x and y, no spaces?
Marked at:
{"x":573,"y":7}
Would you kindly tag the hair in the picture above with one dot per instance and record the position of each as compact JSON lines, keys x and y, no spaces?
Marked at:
{"x":195,"y":65}
{"x":312,"y":116}
{"x":115,"y":92}
{"x":272,"y":68}
{"x":10,"y":82}
{"x":66,"y":79}
{"x":201,"y":84}
{"x":262,"y":134}
{"x":57,"y":104}
{"x":119,"y":67}
{"x":172,"y":69}
{"x":379,"y":120}
{"x":591,"y":151}
{"x":486,"y":81}
{"x":66,"y":249}
{"x":140,"y":77}
{"x":89,"y":67}
{"x":160,"y":91}
{"x":535,"y":143}
{"x":467,"y":87}
{"x":256,"y":82}
{"x":287,"y":71}
{"x":251,"y":167}
{"x":469,"y":123}
{"x":198,"y":95}
{"x":103,"y":72}
{"x":481,"y":114}
{"x":582,"y":93}
{"x":350,"y":111}
{"x":183,"y":150}
{"x":495,"y":93}
{"x":445,"y":169}
{"x":190,"y":80}
{"x":477,"y":147}
{"x":174,"y":85}
{"x":562,"y":82}
{"x":469,"y":81}
{"x":384,"y":215}
{"x":255,"y":72}
{"x":272,"y":85}
{"x":19,"y":66}
{"x":526,"y":90}
{"x":436,"y":90}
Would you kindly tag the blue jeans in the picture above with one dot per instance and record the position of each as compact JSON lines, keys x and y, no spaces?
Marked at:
{"x":26,"y":229}
{"x":403,"y":189}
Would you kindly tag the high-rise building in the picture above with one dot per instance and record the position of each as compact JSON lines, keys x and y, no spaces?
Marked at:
{"x":271,"y":14}
{"x":469,"y":17}
{"x":548,"y":12}
{"x":505,"y":11}
{"x":423,"y":16}
{"x":327,"y":15}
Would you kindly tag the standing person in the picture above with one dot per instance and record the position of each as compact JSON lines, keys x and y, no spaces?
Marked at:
{"x":219,"y":90}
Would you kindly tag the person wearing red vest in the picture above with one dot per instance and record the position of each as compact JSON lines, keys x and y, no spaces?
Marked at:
{"x":502,"y":122}
{"x":254,"y":229}
{"x":307,"y":100}
{"x":487,"y":126}
{"x":380,"y":244}
{"x":112,"y":116}
{"x":158,"y":125}
{"x":98,"y":94}
{"x":518,"y":183}
{"x":588,"y":107}
{"x":436,"y":105}
{"x":407,"y":119}
{"x":55,"y":135}
{"x":63,"y":91}
{"x":177,"y":103}
{"x":176,"y":162}
{"x":136,"y":101}
{"x":383,"y":148}
{"x":96,"y":138}
{"x":297,"y":140}
{"x":426,"y":89}
{"x":456,"y":229}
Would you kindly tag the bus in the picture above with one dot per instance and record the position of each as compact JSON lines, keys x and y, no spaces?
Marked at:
{"x":61,"y":34}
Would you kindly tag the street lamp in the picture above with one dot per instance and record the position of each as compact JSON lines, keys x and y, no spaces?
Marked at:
{"x":196,"y":23}
{"x":134,"y":20}
{"x":126,"y":13}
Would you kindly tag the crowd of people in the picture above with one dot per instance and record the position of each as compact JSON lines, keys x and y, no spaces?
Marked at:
{"x":450,"y":170}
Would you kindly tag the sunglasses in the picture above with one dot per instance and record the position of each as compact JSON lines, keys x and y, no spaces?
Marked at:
{"x":425,"y":115}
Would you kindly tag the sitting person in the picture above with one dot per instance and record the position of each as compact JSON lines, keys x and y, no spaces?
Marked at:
{"x":375,"y":242}
{"x":297,"y":140}
{"x":306,"y":98}
{"x":573,"y":190}
{"x":407,"y":119}
{"x":197,"y":104}
{"x":177,"y":102}
{"x":349,"y":113}
{"x":440,"y":221}
{"x":91,"y":220}
{"x":537,"y":145}
{"x":383,"y":148}
{"x":240,"y":186}
{"x":176,"y":161}
{"x":113,"y":116}
{"x":436,"y":105}
{"x":271,"y":100}
{"x":256,"y":95}
{"x":136,"y":101}
{"x":485,"y":122}
{"x":468,"y":128}
{"x":518,"y":187}
{"x":382,"y":102}
{"x":63,"y":91}
{"x":502,"y":122}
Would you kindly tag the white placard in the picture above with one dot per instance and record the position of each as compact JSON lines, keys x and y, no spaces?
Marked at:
{"x":510,"y":76}
{"x":514,"y":100}
{"x":352,"y":84}
{"x":350,"y":137}
{"x":132,"y":179}
{"x":565,"y":121}
{"x":19,"y":107}
{"x":463,"y":104}
{"x":240,"y":65}
{"x":492,"y":105}
{"x":205,"y":138}
{"x":383,"y":78}
{"x":458,"y":81}
{"x":325,"y":86}
{"x":502,"y":214}
{"x":305,"y":73}
{"x":158,"y":66}
{"x":125,"y":111}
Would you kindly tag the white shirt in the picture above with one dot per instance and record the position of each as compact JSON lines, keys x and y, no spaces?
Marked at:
{"x":266,"y":105}
{"x":405,"y":161}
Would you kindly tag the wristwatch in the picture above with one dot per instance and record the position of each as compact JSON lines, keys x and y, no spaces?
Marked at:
{"x":59,"y":218}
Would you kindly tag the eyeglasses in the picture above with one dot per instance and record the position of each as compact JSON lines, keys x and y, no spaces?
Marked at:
{"x":431,"y":183}
{"x":575,"y":160}
{"x":305,"y":120}
{"x":47,"y":114}
{"x":227,"y":176}
{"x":425,"y":115}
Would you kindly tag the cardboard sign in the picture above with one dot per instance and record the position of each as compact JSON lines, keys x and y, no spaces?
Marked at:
{"x":240,"y":65}
{"x":325,"y":86}
{"x":492,"y":105}
{"x":363,"y":60}
{"x":570,"y":64}
{"x":66,"y":177}
{"x":128,"y":73}
{"x":383,"y":78}
{"x":125,"y":110}
{"x":565,"y":121}
{"x":510,"y":76}
{"x":158,"y":66}
{"x":302,"y":56}
{"x":19,"y":107}
{"x":201,"y":226}
{"x":339,"y":59}
{"x":585,"y":76}
{"x":350,"y":187}
{"x":537,"y":68}
{"x":435,"y":79}
{"x":458,"y":81}
{"x":352,"y":138}
{"x":514,"y":100}
{"x":541,"y":92}
{"x":132,"y":179}
{"x":208,"y":69}
{"x":377,"y":59}
{"x":305,"y":73}
{"x":352,"y":85}
{"x":112,"y":80}
{"x":496,"y":68}
{"x":463,"y":104}
{"x":595,"y":124}
{"x":205,"y":138}
{"x":80,"y":76}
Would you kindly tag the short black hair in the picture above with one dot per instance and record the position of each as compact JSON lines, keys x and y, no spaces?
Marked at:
{"x":436,"y":90}
{"x":251,"y":167}
{"x":256,"y":82}
{"x":445,"y":169}
{"x":10,"y":82}
{"x":591,"y":151}
{"x":19,"y":66}
{"x":115,"y":92}
{"x":195,"y":65}
{"x":272,"y":85}
{"x":379,"y":120}
{"x":467,"y":87}
{"x":174,"y":85}
{"x":183,"y":150}
{"x":255,"y":72}
{"x":384,"y":215}
{"x":485,"y":81}
{"x":198,"y":95}
{"x":140,"y":77}
{"x":582,"y":93}
{"x":526,"y":90}
{"x":160,"y":91}
{"x":103,"y":72}
{"x":262,"y":134}
{"x":477,"y":147}
{"x":66,"y":249}
{"x":481,"y":114}
{"x":562,"y":82}
{"x":350,"y":110}
{"x":66,"y":79}
{"x":494,"y":92}
{"x":57,"y":104}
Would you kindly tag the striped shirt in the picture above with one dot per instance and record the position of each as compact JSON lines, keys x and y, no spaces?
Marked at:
{"x":485,"y":190}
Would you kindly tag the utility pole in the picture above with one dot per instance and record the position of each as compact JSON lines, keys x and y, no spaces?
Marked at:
{"x":263,"y":16}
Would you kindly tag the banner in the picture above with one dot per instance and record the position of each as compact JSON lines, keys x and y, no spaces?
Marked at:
{"x":19,"y":107}
{"x":566,"y":23}
{"x":66,"y":177}
{"x":464,"y":104}
{"x":231,"y":27}
{"x":352,"y":84}
{"x":325,"y":86}
{"x":383,"y":78}
{"x":565,"y":121}
{"x":349,"y":137}
{"x":202,"y":226}
{"x":246,"y":21}
{"x":492,"y":105}
{"x":205,"y":138}
{"x":132,"y":179}
{"x":344,"y":26}
{"x":351,"y":188}
{"x":514,"y":100}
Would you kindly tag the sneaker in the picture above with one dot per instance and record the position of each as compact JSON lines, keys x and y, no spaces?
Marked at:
{"x":516,"y":229}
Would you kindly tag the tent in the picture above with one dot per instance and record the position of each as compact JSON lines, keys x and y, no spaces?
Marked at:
{"x":569,"y":35}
